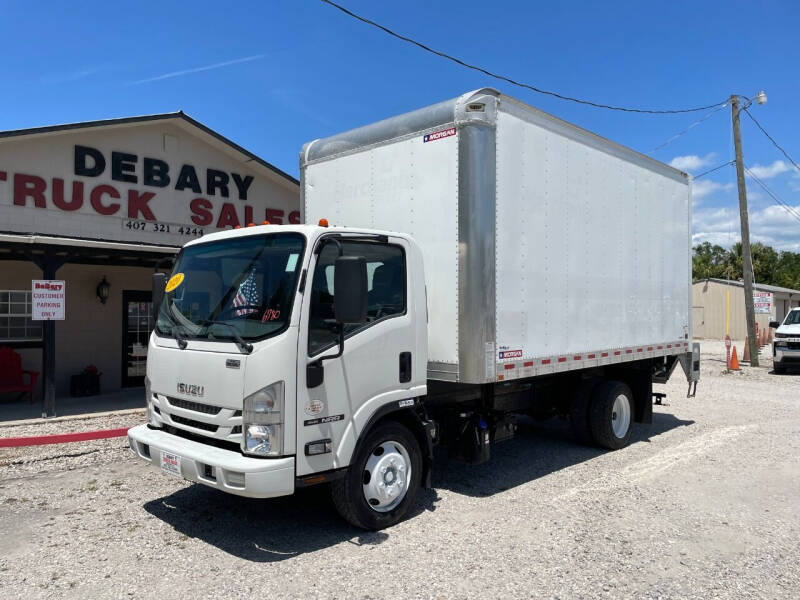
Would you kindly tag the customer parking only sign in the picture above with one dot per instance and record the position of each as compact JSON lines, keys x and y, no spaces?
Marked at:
{"x":48,"y":300}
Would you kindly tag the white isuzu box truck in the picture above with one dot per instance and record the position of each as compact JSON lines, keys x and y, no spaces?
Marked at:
{"x":484,"y":260}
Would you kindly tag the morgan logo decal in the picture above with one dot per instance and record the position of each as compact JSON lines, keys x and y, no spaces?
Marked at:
{"x":510,"y":354}
{"x":191,"y":389}
{"x":438,"y":135}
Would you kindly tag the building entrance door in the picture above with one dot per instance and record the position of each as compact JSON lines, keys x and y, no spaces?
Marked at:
{"x":699,"y":321}
{"x":137,"y":323}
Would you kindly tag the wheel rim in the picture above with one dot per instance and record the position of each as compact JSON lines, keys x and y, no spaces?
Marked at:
{"x":386,"y":476}
{"x":621,"y":416}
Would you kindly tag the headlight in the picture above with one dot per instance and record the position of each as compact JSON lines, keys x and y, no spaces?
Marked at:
{"x":783,"y":335}
{"x":262,"y":421}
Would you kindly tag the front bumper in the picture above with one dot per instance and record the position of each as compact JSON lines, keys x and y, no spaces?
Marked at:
{"x":783,"y":354}
{"x":216,"y":467}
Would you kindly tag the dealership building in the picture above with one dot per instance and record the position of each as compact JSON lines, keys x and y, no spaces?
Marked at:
{"x":100,"y":205}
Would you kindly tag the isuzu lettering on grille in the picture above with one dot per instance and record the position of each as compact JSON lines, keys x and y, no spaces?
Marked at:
{"x":190,"y":389}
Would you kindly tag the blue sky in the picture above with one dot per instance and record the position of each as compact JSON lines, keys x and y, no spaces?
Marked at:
{"x":272,"y":75}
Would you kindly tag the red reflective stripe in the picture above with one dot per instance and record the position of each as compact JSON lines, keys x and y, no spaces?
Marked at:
{"x":528,"y":363}
{"x":590,"y":356}
{"x":546,"y":361}
{"x":576,"y":357}
{"x":638,"y":349}
{"x":562,"y":359}
{"x":604,"y":354}
{"x":617,"y":353}
{"x":62,"y":438}
{"x":628,"y":351}
{"x":508,"y":366}
{"x":661,"y":347}
{"x":649,"y":348}
{"x":669,"y":345}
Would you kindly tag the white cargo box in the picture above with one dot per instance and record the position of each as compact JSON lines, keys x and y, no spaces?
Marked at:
{"x":547,"y":248}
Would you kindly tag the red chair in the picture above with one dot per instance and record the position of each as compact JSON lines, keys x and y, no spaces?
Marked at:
{"x":12,"y":377}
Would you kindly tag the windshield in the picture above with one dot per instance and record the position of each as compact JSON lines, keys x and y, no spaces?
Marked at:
{"x":247,"y":284}
{"x":793,"y":318}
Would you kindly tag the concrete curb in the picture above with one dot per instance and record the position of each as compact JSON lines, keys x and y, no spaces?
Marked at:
{"x":85,"y":416}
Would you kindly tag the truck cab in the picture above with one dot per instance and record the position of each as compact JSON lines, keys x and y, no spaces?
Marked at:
{"x":276,"y":349}
{"x":786,"y":344}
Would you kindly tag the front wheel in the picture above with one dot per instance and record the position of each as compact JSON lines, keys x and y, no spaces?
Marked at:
{"x":612,"y":415}
{"x":382,"y":482}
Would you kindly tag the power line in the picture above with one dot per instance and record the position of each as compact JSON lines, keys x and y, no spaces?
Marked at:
{"x":690,"y":127}
{"x":717,"y":168}
{"x":512,"y":81}
{"x":789,"y":209}
{"x":771,"y":139}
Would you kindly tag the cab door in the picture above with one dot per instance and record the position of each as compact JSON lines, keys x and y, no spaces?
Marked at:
{"x":377,"y":361}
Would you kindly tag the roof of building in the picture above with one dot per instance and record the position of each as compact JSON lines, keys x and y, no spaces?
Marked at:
{"x":764,"y":287}
{"x":180,"y":118}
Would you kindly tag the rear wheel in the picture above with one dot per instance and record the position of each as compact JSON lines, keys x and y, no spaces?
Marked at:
{"x":383,"y":479}
{"x":612,"y":415}
{"x":778,"y":368}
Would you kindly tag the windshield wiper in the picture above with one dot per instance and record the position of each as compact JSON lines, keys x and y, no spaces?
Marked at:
{"x":182,"y":343}
{"x":246,"y":347}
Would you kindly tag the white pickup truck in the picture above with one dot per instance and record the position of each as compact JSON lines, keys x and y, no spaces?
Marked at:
{"x":786,"y":344}
{"x":487,"y":261}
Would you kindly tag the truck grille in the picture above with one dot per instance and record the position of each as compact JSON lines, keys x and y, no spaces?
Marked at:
{"x":236,"y":429}
{"x":793,"y":345}
{"x":194,"y":406}
{"x":193,"y":423}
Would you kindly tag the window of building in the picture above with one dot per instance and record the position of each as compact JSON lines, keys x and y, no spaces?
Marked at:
{"x":386,"y":285}
{"x":16,"y":324}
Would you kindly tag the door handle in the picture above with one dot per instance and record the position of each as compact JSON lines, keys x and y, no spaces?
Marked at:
{"x":405,"y":367}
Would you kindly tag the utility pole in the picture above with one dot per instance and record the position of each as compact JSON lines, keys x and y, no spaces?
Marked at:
{"x":747,"y":259}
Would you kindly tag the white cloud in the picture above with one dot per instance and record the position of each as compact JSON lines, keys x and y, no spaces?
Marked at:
{"x":692,"y":162}
{"x":769,"y":171}
{"x":705,"y":187}
{"x":218,"y":65}
{"x":772,"y":225}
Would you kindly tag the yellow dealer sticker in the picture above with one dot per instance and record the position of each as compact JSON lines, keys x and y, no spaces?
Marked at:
{"x":174,"y":282}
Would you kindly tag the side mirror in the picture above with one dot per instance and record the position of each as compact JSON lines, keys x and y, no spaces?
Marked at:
{"x":774,"y":324}
{"x":350,"y":289}
{"x":159,"y":283}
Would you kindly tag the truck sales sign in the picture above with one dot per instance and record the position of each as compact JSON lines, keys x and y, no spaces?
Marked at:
{"x":153,"y":182}
{"x":49,"y":299}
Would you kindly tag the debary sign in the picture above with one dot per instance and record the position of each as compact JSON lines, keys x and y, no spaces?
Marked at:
{"x":91,"y":191}
{"x":49,"y":299}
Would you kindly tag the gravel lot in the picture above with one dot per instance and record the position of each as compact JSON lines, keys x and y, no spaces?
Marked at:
{"x":705,"y":503}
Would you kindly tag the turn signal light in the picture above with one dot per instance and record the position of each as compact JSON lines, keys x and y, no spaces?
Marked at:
{"x":251,"y":224}
{"x":237,"y":227}
{"x":323,"y":222}
{"x":265,"y":222}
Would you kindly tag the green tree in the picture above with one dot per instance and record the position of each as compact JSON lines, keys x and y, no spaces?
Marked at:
{"x":769,"y":266}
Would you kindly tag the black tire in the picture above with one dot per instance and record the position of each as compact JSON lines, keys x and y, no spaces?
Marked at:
{"x":579,"y":413}
{"x":778,"y":368}
{"x":602,"y":415}
{"x":348,"y":494}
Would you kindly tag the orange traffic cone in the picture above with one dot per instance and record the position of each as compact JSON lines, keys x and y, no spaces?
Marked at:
{"x":734,"y":360}
{"x":746,"y":353}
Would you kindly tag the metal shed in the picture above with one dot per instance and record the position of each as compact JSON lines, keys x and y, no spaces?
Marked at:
{"x":709,"y":298}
